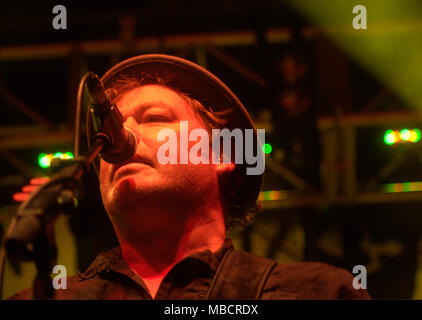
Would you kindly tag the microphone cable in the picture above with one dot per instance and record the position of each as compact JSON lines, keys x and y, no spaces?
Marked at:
{"x":79,"y":102}
{"x":76,"y":147}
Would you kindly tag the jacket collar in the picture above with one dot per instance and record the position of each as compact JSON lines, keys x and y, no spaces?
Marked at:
{"x":113,"y":262}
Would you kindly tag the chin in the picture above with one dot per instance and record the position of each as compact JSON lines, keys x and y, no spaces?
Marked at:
{"x":128,"y":192}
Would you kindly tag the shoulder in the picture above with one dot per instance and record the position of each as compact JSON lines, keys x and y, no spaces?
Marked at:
{"x":75,"y":288}
{"x":311,"y":280}
{"x":84,"y":285}
{"x":302,"y":280}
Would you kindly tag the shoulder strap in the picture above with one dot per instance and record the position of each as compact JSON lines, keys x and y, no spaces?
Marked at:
{"x":240,"y":275}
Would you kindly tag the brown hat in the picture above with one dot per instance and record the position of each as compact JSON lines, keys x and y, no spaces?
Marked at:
{"x":200,"y":84}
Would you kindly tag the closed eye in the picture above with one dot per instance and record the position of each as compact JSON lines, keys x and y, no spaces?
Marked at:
{"x":155,"y":118}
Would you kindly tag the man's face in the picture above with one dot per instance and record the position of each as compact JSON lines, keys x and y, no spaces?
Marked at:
{"x":133,"y":190}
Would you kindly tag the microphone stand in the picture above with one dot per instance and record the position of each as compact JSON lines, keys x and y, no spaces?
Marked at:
{"x":31,"y":238}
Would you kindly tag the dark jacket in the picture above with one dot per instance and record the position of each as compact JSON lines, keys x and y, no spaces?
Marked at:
{"x":109,"y":277}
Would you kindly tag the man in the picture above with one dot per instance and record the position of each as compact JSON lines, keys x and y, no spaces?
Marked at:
{"x":171,"y":218}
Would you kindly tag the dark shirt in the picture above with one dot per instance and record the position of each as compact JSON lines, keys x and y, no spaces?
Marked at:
{"x":109,"y":277}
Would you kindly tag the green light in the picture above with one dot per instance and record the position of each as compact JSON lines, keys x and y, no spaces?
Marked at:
{"x":266,"y":148}
{"x":390,"y":187}
{"x":402,"y":136}
{"x":402,"y":187}
{"x":407,"y":186}
{"x":389,"y":137}
{"x":377,"y":46}
{"x":405,"y":135}
{"x":417,"y":135}
{"x":272,"y":195}
{"x":68,"y":155}
{"x":43,"y":161}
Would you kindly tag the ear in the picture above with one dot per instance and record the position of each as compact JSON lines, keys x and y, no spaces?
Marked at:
{"x":224,"y":168}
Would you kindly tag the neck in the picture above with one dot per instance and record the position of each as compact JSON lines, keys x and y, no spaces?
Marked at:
{"x":152,"y":255}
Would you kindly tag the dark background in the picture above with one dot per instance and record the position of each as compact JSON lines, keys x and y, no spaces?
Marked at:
{"x":288,"y":85}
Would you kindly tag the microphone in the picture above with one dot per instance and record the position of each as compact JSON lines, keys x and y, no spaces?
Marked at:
{"x":28,"y":237}
{"x":122,"y":142}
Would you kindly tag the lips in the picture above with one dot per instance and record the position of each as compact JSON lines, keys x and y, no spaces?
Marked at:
{"x":135,"y":164}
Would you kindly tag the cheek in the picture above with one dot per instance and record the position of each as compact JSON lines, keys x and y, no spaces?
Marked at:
{"x":104,"y":176}
{"x":199,"y":176}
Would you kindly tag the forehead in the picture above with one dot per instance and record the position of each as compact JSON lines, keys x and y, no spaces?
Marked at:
{"x":149,"y":96}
